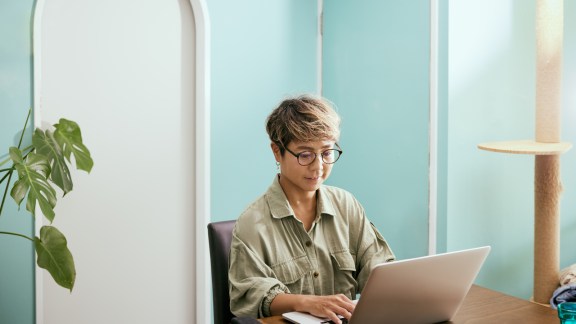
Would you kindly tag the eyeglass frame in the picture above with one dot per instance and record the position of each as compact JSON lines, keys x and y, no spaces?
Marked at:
{"x":297,"y":155}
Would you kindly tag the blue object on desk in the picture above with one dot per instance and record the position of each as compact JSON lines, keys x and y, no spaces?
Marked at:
{"x":567,"y":313}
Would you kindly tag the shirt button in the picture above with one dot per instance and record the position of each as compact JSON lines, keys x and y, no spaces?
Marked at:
{"x":316,"y":274}
{"x":308,"y":243}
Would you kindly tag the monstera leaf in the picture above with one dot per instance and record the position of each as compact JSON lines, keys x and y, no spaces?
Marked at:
{"x":41,"y":167}
{"x":32,"y":180}
{"x":46,"y":145}
{"x":68,"y":135}
{"x":58,"y":146}
{"x":54,"y":256}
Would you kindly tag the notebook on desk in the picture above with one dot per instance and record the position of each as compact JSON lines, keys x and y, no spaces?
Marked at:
{"x":427,"y":289}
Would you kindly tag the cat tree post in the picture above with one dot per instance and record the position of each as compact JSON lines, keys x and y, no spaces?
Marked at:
{"x":546,"y":148}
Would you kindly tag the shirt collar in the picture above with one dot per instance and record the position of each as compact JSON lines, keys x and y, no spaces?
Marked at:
{"x":280,"y":207}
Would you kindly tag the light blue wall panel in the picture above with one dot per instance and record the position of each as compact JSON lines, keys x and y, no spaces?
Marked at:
{"x":262,"y":51}
{"x":442,"y":149}
{"x":16,"y":254}
{"x":376,"y":70}
{"x":490,"y":196}
{"x":568,"y":206}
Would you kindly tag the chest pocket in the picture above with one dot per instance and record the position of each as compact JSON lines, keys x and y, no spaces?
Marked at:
{"x":292,"y":271}
{"x":345,"y":273}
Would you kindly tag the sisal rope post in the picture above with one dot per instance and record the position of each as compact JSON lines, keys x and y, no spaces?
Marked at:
{"x":547,"y":189}
{"x":547,"y":186}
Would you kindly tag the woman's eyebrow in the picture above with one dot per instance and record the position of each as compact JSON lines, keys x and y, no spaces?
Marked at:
{"x":310,"y":148}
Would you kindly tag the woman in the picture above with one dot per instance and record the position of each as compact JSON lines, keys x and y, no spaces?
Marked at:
{"x":303,"y":246}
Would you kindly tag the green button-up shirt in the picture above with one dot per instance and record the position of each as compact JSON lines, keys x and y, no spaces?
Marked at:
{"x":272,"y":253}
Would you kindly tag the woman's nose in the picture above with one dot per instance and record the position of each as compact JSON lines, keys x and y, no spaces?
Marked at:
{"x":317,"y":164}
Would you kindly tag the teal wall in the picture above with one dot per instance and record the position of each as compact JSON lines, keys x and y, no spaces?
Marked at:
{"x":568,"y":212}
{"x":262,"y":51}
{"x":491,"y":98}
{"x":16,"y":254}
{"x":490,"y":196}
{"x":376,"y":70}
{"x":442,"y":145}
{"x":257,"y":59}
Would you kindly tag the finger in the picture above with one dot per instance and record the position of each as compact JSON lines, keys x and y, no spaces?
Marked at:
{"x":333,"y":311}
{"x":350,"y":307}
{"x":346,"y":303}
{"x":334,"y":318}
{"x":344,"y":312}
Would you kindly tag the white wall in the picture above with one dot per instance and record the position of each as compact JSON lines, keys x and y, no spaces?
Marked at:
{"x":124,"y":71}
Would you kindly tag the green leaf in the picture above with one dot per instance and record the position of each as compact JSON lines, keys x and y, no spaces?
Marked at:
{"x":32,"y":180}
{"x":69,"y":137}
{"x":47,"y":145}
{"x":15,"y":155}
{"x":54,"y":256}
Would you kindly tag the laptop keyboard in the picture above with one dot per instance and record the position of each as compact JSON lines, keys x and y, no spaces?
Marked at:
{"x":344,"y":321}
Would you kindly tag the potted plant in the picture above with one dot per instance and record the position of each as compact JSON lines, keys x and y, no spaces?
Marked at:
{"x":41,"y":167}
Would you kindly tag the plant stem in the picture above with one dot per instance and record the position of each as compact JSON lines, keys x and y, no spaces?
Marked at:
{"x":24,"y":128}
{"x":4,"y":161}
{"x":16,"y":234}
{"x":5,"y":190}
{"x":6,"y":175}
{"x":29,"y":147}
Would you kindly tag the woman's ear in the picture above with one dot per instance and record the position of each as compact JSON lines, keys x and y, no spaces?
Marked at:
{"x":276,"y":151}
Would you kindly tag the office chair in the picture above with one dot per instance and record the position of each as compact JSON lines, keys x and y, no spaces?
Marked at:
{"x":219,"y":239}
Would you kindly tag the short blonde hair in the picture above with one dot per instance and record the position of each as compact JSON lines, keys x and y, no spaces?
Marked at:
{"x":303,"y":119}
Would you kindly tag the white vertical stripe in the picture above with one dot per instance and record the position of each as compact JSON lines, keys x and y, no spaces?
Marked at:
{"x":433,"y":136}
{"x":202,"y":156}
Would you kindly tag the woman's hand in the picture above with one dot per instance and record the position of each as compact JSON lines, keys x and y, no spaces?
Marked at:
{"x":321,"y":306}
{"x":328,"y":306}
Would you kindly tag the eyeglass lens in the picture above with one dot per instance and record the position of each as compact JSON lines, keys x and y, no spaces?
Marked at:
{"x":329,"y":156}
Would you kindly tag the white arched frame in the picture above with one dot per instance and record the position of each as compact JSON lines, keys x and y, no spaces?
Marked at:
{"x":202,"y":151}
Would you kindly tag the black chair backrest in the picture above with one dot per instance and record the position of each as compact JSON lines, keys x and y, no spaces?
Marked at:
{"x":219,"y":240}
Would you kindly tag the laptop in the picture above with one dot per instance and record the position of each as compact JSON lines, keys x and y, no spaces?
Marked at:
{"x":427,"y":289}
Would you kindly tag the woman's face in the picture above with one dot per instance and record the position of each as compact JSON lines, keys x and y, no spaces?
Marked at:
{"x":296,"y":178}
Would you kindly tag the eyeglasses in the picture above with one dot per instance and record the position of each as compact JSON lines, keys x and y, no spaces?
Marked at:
{"x":305,"y":158}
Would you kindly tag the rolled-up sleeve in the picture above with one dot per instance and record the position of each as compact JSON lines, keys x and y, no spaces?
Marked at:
{"x":373,"y":249}
{"x":253,"y":284}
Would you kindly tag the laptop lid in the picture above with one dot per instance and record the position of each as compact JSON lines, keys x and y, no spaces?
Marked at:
{"x":427,"y":289}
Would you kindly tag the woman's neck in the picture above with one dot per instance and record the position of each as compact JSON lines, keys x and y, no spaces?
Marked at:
{"x":303,"y":203}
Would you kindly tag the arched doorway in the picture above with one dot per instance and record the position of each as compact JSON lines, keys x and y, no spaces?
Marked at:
{"x":134,"y":75}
